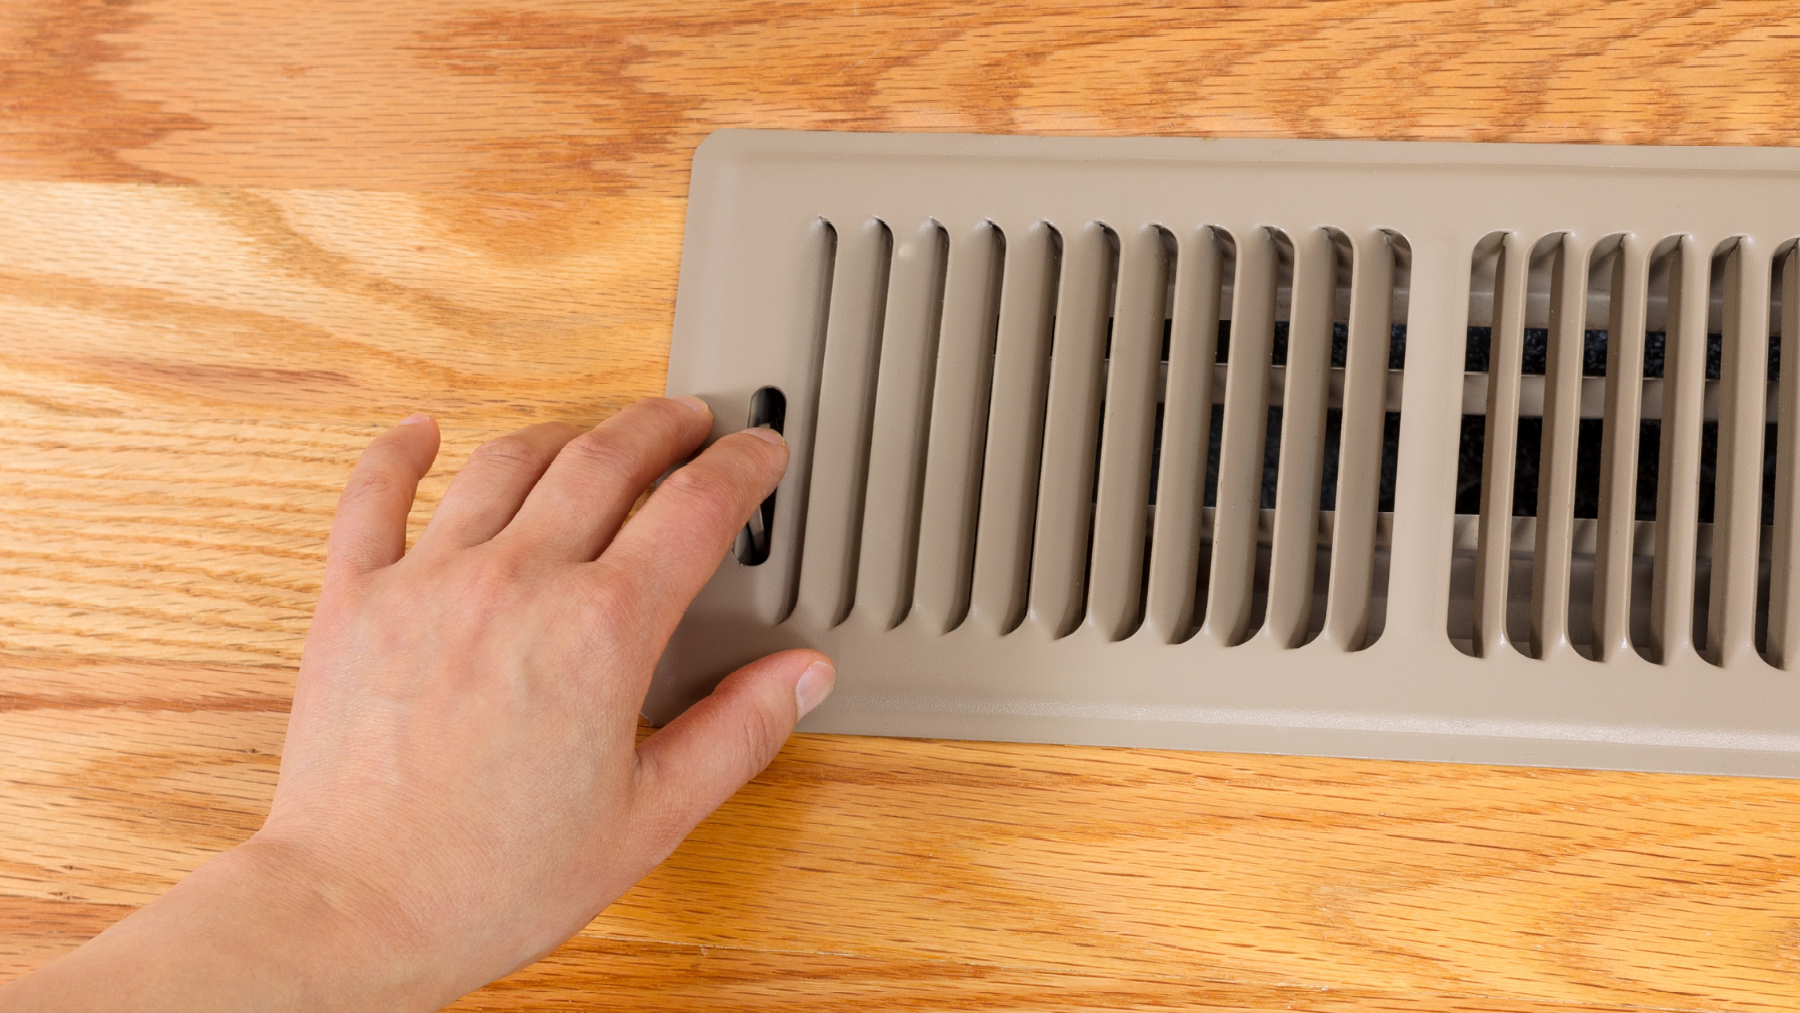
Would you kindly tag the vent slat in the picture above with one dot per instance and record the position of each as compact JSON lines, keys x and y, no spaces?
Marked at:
{"x":1028,"y":294}
{"x":1678,"y":466}
{"x":1241,"y":445}
{"x":959,"y":411}
{"x":841,"y":443}
{"x":1071,"y":424}
{"x":1359,"y":456}
{"x":1410,"y":581}
{"x":1493,"y":559}
{"x":1737,"y":522}
{"x":1294,"y":554}
{"x":1175,"y":547}
{"x":903,"y":387}
{"x":1117,"y":568}
{"x":1556,"y":474}
{"x":1617,"y":512}
{"x":774,"y":598}
{"x":1784,"y":582}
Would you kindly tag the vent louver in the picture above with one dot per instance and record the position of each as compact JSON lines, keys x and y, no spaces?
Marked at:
{"x":1469,"y":452}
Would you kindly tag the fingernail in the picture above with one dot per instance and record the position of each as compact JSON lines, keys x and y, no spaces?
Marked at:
{"x":767,"y":435}
{"x":696,"y":404}
{"x":814,"y":686}
{"x":415,"y":419}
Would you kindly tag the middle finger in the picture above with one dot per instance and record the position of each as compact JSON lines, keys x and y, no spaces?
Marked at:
{"x":578,"y":505}
{"x":492,"y":483}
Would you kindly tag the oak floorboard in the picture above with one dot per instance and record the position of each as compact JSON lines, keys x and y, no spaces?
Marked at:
{"x":617,"y":975}
{"x":611,"y":96}
{"x":1587,"y":888}
{"x":34,"y":931}
{"x":230,"y":303}
{"x":623,"y":974}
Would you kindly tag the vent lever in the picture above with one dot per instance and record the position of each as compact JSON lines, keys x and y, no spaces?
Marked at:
{"x":768,"y":407}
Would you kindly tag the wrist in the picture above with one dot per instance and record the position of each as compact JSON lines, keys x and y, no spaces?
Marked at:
{"x":261,"y":926}
{"x":319,"y":929}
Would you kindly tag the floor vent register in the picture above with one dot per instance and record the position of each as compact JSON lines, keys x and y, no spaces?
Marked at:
{"x":1462,"y":452}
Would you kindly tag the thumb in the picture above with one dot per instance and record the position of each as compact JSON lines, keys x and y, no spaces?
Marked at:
{"x":697,"y":761}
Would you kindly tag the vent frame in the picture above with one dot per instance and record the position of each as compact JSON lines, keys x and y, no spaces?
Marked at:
{"x":995,"y":671}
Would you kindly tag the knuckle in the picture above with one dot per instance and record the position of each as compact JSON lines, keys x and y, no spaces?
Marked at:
{"x":597,"y":453}
{"x":614,"y":599}
{"x":761,"y":449}
{"x":488,"y":590}
{"x":708,"y":490}
{"x":372,"y":484}
{"x":657,"y":410}
{"x":764,"y":733}
{"x":509,"y":451}
{"x":755,"y":462}
{"x":498,"y":573}
{"x":613,"y":621}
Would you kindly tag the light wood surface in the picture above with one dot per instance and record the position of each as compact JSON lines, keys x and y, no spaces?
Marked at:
{"x":236,"y":238}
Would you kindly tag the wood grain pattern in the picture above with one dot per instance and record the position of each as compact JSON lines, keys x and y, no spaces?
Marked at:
{"x":224,"y":303}
{"x":541,"y":95}
{"x":236,"y":238}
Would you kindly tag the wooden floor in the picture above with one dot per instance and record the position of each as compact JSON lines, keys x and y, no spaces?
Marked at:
{"x":238,"y":237}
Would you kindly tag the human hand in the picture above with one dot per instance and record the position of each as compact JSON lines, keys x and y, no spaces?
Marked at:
{"x":461,"y":787}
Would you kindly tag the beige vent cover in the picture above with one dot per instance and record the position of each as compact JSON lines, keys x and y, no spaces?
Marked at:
{"x":1430,"y":451}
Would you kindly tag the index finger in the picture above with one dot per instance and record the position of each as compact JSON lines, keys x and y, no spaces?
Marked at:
{"x":665,"y":554}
